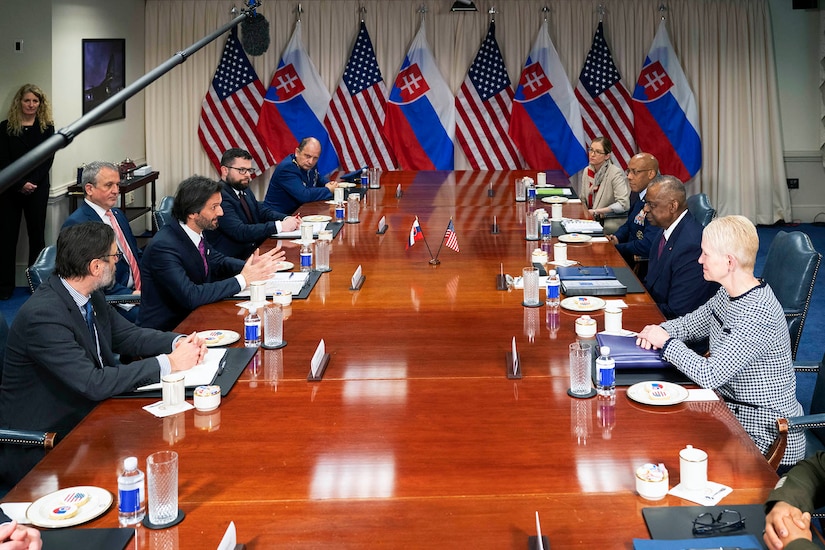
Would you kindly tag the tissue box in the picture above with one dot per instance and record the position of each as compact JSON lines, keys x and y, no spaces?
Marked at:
{"x":143,"y":171}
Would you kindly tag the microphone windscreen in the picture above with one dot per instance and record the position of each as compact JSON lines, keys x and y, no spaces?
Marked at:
{"x":255,"y":34}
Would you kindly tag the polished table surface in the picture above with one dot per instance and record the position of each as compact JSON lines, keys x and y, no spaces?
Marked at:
{"x":415,"y":438}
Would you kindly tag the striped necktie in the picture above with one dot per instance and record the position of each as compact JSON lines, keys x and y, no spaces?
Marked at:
{"x":124,"y":247}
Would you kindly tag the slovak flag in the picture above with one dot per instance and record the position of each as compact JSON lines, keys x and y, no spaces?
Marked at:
{"x":420,"y":120}
{"x":415,"y":234}
{"x":667,"y":119}
{"x":295,"y":105}
{"x":546,"y":123}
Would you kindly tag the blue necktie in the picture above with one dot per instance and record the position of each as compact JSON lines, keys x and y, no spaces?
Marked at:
{"x":90,"y":319}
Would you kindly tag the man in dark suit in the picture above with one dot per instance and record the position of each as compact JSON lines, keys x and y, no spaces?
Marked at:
{"x":181,"y":271}
{"x":635,"y":236}
{"x":246,"y":223}
{"x":61,"y":356}
{"x":674,"y":274}
{"x":296,"y":179}
{"x":101,"y":183}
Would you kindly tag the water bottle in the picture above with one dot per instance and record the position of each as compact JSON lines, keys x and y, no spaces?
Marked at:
{"x":552,"y":288}
{"x":131,"y":494}
{"x":531,"y":194}
{"x":306,"y":257}
{"x":252,"y":329}
{"x":365,"y":177}
{"x":605,"y":373}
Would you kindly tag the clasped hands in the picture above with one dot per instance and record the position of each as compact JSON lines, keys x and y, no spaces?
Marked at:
{"x":652,"y":337}
{"x":784,"y":524}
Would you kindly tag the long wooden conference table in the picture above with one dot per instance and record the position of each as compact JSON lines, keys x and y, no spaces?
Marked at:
{"x":415,"y":437}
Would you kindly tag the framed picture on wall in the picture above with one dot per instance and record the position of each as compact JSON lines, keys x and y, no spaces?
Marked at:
{"x":104,"y":74}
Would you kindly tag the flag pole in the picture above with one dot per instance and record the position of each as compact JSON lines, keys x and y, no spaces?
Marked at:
{"x":433,"y":260}
{"x":442,"y":239}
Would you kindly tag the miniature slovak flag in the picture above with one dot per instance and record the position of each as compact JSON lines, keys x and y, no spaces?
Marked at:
{"x":415,"y":233}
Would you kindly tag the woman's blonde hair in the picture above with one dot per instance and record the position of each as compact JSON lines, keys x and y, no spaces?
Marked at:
{"x":44,"y":111}
{"x":734,"y":235}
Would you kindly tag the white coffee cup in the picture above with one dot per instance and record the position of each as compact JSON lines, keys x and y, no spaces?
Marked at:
{"x":541,"y":179}
{"x":339,"y":195}
{"x":172,"y":389}
{"x":613,"y":319}
{"x":555,"y":211}
{"x":560,"y":252}
{"x":693,"y":468}
{"x":257,"y":291}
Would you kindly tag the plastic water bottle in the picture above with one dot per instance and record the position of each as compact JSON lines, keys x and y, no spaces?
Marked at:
{"x":552,"y":288}
{"x":306,"y":257}
{"x":605,"y":373}
{"x":531,"y":194}
{"x":131,"y":493}
{"x":252,"y":329}
{"x":365,"y":177}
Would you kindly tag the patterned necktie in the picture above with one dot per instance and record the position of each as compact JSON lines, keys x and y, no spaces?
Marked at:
{"x":124,"y":247}
{"x":662,"y":245}
{"x":244,"y":205}
{"x":90,"y":319}
{"x":202,"y":250}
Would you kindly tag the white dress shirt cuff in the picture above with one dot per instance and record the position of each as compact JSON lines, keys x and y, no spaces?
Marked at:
{"x":165,"y":365}
{"x":241,"y":281}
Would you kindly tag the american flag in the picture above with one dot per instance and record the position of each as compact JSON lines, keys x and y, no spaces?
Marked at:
{"x":415,"y":233}
{"x":484,"y":103}
{"x":229,"y":113}
{"x":355,"y":118}
{"x":605,"y":102}
{"x":450,"y":238}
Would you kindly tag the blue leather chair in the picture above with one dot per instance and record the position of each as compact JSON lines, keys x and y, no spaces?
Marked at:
{"x":163,"y":213}
{"x":790,"y":269}
{"x":699,"y":206}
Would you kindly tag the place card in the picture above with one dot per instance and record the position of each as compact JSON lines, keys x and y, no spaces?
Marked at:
{"x":513,"y":363}
{"x":382,"y":225}
{"x":319,"y":362}
{"x":494,"y":228}
{"x":538,"y":542}
{"x":230,"y":538}
{"x":490,"y":192}
{"x":357,"y":279}
{"x":398,"y":192}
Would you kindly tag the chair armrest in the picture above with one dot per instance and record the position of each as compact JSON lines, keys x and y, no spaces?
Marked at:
{"x":776,"y":451}
{"x":123,"y":298}
{"x":806,"y":366}
{"x":29,"y":438}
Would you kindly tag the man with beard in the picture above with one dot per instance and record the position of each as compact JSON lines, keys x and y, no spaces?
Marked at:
{"x":181,"y":271}
{"x":64,"y":346}
{"x":246,"y":223}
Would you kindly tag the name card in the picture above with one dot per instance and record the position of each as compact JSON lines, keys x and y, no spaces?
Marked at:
{"x":515,"y":358}
{"x":356,"y":278}
{"x":382,"y":225}
{"x":317,"y":358}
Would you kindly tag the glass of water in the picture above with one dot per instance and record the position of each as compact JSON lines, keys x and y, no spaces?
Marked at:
{"x":162,"y":484}
{"x":530,"y":276}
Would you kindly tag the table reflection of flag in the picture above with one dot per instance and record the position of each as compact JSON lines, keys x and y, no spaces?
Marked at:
{"x":415,"y":233}
{"x":450,"y":238}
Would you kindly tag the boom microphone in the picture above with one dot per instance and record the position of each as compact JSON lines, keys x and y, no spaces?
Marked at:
{"x":255,"y":31}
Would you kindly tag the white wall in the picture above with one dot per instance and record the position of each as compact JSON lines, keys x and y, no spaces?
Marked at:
{"x":796,"y":35}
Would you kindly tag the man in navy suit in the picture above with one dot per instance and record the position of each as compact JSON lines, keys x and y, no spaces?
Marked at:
{"x":635,"y":236}
{"x":62,"y":355}
{"x":674,"y":275}
{"x":101,"y":183}
{"x":182,"y":271}
{"x":296,"y":179}
{"x":246,"y":223}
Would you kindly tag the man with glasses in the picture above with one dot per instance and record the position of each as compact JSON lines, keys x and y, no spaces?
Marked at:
{"x":674,"y":275}
{"x":635,"y":236}
{"x":246,"y":223}
{"x":296,"y":179}
{"x":65,"y":344}
{"x":101,"y":184}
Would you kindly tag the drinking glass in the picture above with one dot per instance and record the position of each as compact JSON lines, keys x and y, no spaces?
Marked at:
{"x":530,"y":276}
{"x":162,"y":482}
{"x":353,"y":206}
{"x":520,"y":193}
{"x":274,"y":325}
{"x":531,"y":225}
{"x":322,"y":255}
{"x":580,"y":382}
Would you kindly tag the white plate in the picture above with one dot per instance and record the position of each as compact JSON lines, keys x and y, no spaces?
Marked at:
{"x":583,"y":303}
{"x":99,"y":501}
{"x":216,"y":338}
{"x":574,"y":238}
{"x":345,"y":184}
{"x":316,"y":218}
{"x":657,"y":393}
{"x":284,"y":266}
{"x":554,"y":199}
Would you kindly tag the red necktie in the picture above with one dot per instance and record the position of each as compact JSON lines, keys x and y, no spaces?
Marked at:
{"x":593,"y":189}
{"x":242,"y":197}
{"x":123,"y":244}
{"x":202,"y":250}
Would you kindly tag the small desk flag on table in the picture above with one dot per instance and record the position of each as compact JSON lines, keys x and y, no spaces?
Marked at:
{"x":229,"y":113}
{"x":546,"y":124}
{"x":356,"y":113}
{"x":483,"y":104}
{"x":295,"y":105}
{"x":420,"y":122}
{"x":415,"y":233}
{"x":450,"y":237}
{"x":605,"y":102}
{"x":667,"y":119}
